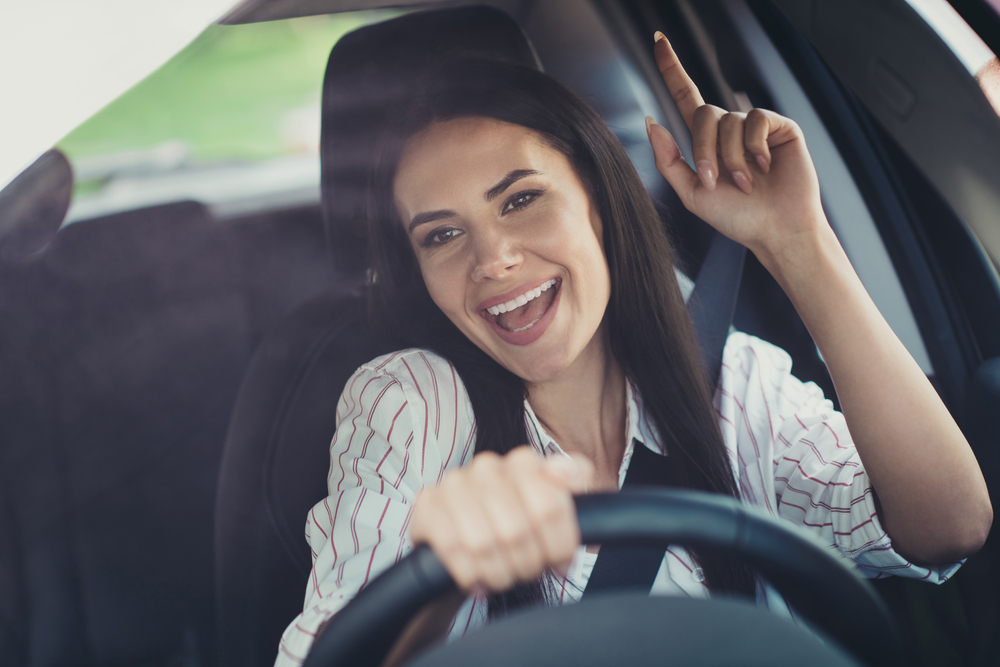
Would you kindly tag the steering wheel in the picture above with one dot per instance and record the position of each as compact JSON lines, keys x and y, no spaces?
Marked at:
{"x":821,"y":588}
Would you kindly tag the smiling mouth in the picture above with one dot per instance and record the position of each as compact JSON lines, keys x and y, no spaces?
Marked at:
{"x":523,"y":312}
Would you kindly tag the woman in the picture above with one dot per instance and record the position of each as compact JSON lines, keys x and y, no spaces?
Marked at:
{"x":517,"y":252}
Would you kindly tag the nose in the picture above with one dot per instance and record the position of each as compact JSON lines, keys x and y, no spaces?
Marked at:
{"x":497,"y":256}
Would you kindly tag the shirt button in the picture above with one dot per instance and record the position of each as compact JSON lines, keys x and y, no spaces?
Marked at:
{"x":698,"y":575}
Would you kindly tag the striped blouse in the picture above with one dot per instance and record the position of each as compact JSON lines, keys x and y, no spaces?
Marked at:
{"x":405,"y":418}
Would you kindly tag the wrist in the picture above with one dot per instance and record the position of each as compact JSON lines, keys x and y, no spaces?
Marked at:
{"x":797,"y":257}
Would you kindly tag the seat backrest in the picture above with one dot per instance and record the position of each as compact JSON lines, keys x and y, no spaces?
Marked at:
{"x":123,"y":348}
{"x":276,"y":458}
{"x":274,"y":469}
{"x":105,"y":444}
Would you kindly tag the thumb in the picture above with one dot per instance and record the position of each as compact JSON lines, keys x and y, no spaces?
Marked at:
{"x":669,"y":161}
{"x":576,"y":473}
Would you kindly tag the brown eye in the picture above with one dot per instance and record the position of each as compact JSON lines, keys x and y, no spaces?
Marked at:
{"x":520,"y":200}
{"x":440,"y":237}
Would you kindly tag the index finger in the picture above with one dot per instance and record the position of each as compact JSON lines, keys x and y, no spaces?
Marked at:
{"x":686,"y":95}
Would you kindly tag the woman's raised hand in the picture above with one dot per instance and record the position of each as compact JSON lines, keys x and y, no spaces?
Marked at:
{"x":755,"y":181}
{"x":503,"y":519}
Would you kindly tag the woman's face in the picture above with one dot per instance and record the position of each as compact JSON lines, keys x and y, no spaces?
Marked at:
{"x":500,"y":221}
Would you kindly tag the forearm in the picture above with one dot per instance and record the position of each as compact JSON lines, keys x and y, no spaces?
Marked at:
{"x":934,"y":502}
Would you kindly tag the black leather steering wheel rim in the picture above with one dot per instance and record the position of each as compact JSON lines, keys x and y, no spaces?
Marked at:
{"x":818,"y":585}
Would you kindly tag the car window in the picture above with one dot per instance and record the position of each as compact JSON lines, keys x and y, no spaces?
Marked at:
{"x":967,"y":46}
{"x":955,"y":32}
{"x":231,"y":121}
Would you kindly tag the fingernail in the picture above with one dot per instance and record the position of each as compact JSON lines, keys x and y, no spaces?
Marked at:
{"x":657,"y":36}
{"x":742,"y":181}
{"x":672,"y":151}
{"x":707,"y":174}
{"x":764,"y":165}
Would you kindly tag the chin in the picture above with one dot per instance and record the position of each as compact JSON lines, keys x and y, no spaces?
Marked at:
{"x":542,"y":361}
{"x":540,"y":370}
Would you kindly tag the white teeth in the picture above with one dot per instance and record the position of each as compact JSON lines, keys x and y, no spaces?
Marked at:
{"x":528,"y":325}
{"x":521,"y":300}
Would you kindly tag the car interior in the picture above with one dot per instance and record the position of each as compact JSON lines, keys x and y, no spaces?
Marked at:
{"x":170,"y":372}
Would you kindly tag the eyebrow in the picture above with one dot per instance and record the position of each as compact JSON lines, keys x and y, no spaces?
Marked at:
{"x":491,"y":194}
{"x":507,"y":181}
{"x":430,"y":216}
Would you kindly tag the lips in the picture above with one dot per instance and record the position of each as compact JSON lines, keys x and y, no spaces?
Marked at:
{"x":521,"y":299}
{"x":512,"y":295}
{"x":529,"y":314}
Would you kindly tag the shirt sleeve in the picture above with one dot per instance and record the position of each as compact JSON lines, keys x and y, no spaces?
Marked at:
{"x":818,"y":480}
{"x":395,"y":435}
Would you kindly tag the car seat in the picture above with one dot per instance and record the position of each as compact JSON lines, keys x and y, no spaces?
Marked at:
{"x":276,"y":456}
{"x":116,"y":360}
{"x":124,"y":344}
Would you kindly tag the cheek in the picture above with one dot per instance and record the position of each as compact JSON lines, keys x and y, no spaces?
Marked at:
{"x":446,"y":286}
{"x":580,"y":242}
{"x":598,"y":277}
{"x":593,"y":276}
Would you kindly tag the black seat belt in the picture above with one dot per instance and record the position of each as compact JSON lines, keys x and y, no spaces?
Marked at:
{"x":622,"y":566}
{"x":712,"y":304}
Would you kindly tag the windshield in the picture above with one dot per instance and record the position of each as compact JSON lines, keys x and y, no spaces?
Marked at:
{"x":232,"y":121}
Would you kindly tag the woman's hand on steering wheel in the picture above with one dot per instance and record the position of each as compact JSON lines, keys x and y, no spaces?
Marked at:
{"x":503,"y":519}
{"x":755,"y":180}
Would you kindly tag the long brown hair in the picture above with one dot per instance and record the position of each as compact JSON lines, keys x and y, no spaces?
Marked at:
{"x":650,"y":332}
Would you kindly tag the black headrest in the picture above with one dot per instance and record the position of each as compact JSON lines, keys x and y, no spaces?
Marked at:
{"x":370,"y":75}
